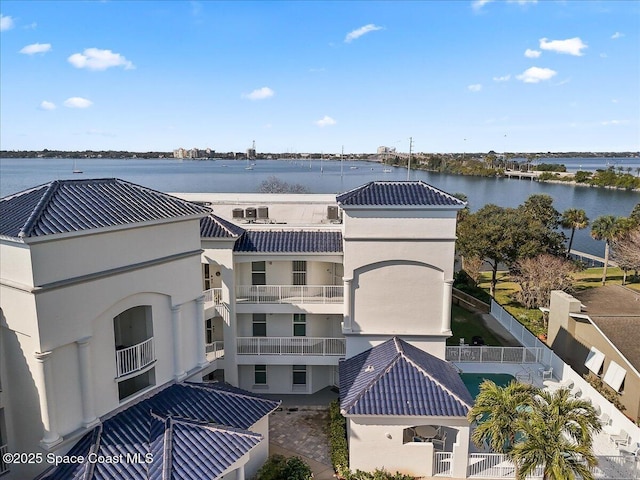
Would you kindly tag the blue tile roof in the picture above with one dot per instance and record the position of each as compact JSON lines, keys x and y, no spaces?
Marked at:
{"x":189,"y":431}
{"x":213,"y":226}
{"x":63,"y":206}
{"x":396,"y":378}
{"x":294,"y":242}
{"x":397,"y":194}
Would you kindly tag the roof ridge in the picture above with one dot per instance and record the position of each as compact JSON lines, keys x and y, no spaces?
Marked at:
{"x":167,"y":463}
{"x":373,"y":381}
{"x":37,"y":211}
{"x":433,"y":379}
{"x":94,"y":448}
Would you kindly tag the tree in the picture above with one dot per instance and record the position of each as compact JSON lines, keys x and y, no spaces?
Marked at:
{"x":574,"y":219}
{"x":625,"y":250}
{"x":635,"y":214}
{"x":495,"y":413}
{"x":607,"y":228}
{"x":557,"y":435}
{"x":275,"y":185}
{"x":538,"y":276}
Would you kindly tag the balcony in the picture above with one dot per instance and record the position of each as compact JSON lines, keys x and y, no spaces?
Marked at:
{"x":312,"y":346}
{"x":212,"y":297}
{"x":4,"y":466}
{"x":292,"y":294}
{"x":214,"y":350}
{"x":135,"y":358}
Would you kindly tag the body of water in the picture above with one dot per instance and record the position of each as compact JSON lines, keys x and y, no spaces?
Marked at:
{"x":170,"y":175}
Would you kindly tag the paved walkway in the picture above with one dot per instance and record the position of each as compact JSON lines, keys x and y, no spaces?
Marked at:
{"x":301,"y":432}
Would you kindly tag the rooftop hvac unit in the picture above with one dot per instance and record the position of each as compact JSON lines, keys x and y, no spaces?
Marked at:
{"x":238,"y":213}
{"x":250,"y":212}
{"x":332,"y":212}
{"x":263,"y":213}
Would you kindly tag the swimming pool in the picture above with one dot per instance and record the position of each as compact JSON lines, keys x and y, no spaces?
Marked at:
{"x":473,"y":380}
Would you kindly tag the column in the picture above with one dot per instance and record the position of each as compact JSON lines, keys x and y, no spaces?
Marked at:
{"x":176,"y":318}
{"x":346,"y":322}
{"x":89,"y":418}
{"x":201,"y":336}
{"x":446,"y":305}
{"x":230,"y":327}
{"x":240,"y":472}
{"x":460,"y":459}
{"x":44,"y":384}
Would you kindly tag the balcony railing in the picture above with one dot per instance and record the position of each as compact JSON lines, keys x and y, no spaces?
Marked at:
{"x":291,"y":346}
{"x":134,"y":358}
{"x":216,"y":349}
{"x":212,"y":296}
{"x":4,"y":466}
{"x":493,"y":354}
{"x":290,"y":293}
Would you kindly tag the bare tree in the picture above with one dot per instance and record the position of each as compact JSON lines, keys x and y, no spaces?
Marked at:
{"x":626,"y":252}
{"x":275,"y":185}
{"x":538,"y":276}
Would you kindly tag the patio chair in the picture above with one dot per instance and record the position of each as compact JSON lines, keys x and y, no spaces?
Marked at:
{"x":438,"y":443}
{"x":546,"y":373}
{"x":631,"y":451}
{"x":552,"y":386}
{"x":621,"y":438}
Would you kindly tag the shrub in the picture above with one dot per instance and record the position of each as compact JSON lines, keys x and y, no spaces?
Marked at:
{"x":338,"y":446}
{"x":277,"y":467}
{"x":379,"y":474}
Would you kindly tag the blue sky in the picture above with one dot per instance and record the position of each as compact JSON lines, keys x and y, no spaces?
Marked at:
{"x":308,"y":76}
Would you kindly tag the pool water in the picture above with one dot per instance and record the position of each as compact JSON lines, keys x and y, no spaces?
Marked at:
{"x":473,"y":380}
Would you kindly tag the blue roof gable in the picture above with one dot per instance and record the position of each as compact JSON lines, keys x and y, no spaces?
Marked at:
{"x":396,"y":378}
{"x":64,"y":206}
{"x":292,"y":241}
{"x":186,"y":431}
{"x":213,"y":226}
{"x":415,"y":193}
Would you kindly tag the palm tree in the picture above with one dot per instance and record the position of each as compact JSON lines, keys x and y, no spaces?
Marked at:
{"x":605,"y":227}
{"x":575,"y":219}
{"x":557,"y":436}
{"x":495,"y":412}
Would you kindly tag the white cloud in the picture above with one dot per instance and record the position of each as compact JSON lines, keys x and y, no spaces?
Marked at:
{"x":536,"y":75}
{"x":522,"y":2}
{"x":476,"y":87}
{"x":36,"y":48}
{"x":259,"y":94}
{"x":532,"y":53}
{"x":325,"y":121}
{"x":96,"y":59}
{"x":478,"y":4}
{"x":47,"y":105}
{"x":570,"y":46}
{"x":357,"y":33}
{"x":77,"y":102}
{"x":6,"y":23}
{"x":504,"y":78}
{"x":617,"y":35}
{"x":613,"y":122}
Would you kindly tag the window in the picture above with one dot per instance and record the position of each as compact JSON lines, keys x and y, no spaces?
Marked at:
{"x":299,"y":325}
{"x":260,"y":375}
{"x":258,"y":273}
{"x":299,"y":374}
{"x":259,"y":324}
{"x":207,"y":276}
{"x":299,"y":272}
{"x":133,"y":385}
{"x":209,"y":330}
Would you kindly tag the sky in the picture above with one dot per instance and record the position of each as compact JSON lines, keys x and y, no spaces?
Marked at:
{"x":320,"y":76}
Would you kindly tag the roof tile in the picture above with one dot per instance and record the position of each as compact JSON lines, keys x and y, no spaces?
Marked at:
{"x":380,"y":193}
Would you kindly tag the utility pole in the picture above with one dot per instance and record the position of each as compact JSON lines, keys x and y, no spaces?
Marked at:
{"x":409,"y":163}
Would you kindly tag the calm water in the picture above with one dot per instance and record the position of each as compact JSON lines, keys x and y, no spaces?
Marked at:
{"x":169,"y":175}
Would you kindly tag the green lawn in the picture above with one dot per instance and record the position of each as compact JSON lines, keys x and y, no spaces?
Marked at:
{"x":465,"y":324}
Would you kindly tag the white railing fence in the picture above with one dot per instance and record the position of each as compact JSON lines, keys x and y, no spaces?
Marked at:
{"x":291,"y":346}
{"x":466,"y":353}
{"x":290,"y":293}
{"x":4,"y":466}
{"x":442,"y":463}
{"x":213,"y":296}
{"x":617,"y":468}
{"x":134,"y":358}
{"x":216,"y":348}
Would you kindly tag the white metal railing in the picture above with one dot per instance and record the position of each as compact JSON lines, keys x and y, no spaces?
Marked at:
{"x":442,"y":463}
{"x":494,"y":465}
{"x":134,"y":358}
{"x":216,"y":348}
{"x":4,"y":466}
{"x":617,"y":467}
{"x":290,"y":293}
{"x":291,"y":346}
{"x":213,"y":296}
{"x":467,"y":353}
